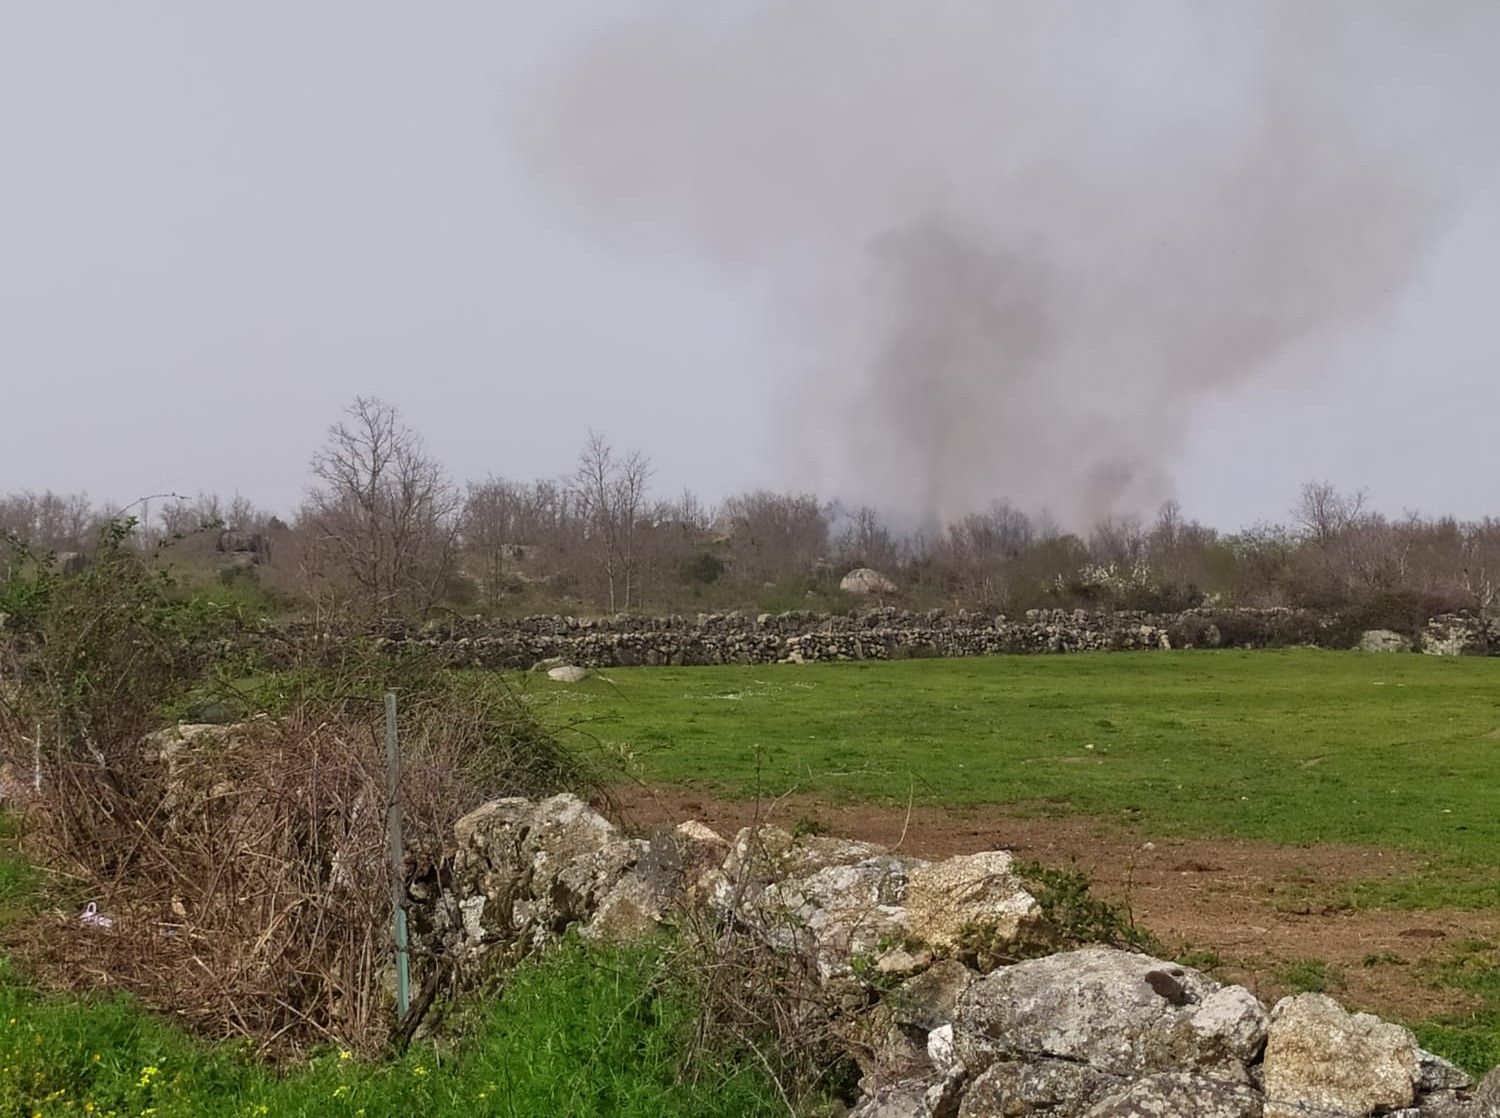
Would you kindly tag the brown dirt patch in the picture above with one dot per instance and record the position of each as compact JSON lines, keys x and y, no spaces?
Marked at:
{"x":1257,"y":906}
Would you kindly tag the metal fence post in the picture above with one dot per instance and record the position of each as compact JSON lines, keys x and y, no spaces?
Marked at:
{"x":398,"y":872}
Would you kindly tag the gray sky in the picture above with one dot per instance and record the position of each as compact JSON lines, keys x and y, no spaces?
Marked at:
{"x":219,"y":222}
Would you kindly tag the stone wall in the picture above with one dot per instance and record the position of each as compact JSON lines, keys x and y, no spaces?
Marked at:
{"x":1091,"y":1032}
{"x":887,"y":634}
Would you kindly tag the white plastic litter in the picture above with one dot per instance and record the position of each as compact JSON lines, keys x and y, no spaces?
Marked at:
{"x":92,"y":916}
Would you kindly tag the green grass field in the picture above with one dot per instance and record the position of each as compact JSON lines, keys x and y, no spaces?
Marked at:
{"x":1293,"y":747}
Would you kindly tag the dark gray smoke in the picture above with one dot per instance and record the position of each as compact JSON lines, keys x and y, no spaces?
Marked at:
{"x":1017,"y":246}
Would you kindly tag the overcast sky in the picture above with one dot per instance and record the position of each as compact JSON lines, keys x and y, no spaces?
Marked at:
{"x":221,"y":221}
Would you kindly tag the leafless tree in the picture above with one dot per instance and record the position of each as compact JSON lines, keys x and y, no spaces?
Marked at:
{"x":1323,"y":512}
{"x":383,"y":519}
{"x":776,"y":535}
{"x":611,"y":490}
{"x":491,"y":519}
{"x":978,"y":552}
{"x":49,"y":521}
{"x":865,"y":541}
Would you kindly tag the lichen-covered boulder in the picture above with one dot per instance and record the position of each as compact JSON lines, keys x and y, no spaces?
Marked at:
{"x":1117,"y":1012}
{"x":769,"y":854}
{"x":1017,"y":1088}
{"x":525,"y":870}
{"x":1179,"y":1095}
{"x":946,"y":899}
{"x":1321,"y":1058}
{"x":929,"y":1000}
{"x":1383,"y":640}
{"x":847,"y":912}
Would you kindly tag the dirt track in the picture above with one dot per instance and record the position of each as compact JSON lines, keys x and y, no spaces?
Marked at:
{"x":1256,"y":905}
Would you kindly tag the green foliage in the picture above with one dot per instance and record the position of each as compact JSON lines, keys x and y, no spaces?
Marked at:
{"x":1310,"y":976}
{"x":103,"y":651}
{"x":26,"y":586}
{"x":587,"y":1033}
{"x":704,"y":568}
{"x":1200,"y":958}
{"x":1292,"y":746}
{"x":1072,"y":914}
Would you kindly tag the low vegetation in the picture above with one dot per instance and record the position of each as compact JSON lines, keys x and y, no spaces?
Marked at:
{"x":596,"y":1034}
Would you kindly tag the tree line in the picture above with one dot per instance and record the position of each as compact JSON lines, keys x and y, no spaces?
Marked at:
{"x":386,"y":531}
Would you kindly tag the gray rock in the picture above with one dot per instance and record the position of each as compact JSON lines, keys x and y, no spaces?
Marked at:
{"x":1436,"y":1074}
{"x":762,"y":855}
{"x":1098,"y":1006}
{"x":1321,"y":1058}
{"x":906,"y":1099}
{"x":568,"y":673}
{"x":539,"y":866}
{"x":1487,"y":1096}
{"x":1179,"y":1095}
{"x":1056,"y":1088}
{"x":971,"y":891}
{"x":865,"y":581}
{"x":1447,"y":1104}
{"x":1383,"y":640}
{"x":930,"y":1000}
{"x":914,"y":1098}
{"x":851,"y":912}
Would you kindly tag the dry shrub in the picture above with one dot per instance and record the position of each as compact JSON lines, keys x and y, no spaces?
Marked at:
{"x":244,"y":867}
{"x":246,"y":871}
{"x":760,"y":997}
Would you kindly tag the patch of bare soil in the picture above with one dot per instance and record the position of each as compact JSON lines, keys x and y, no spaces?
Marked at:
{"x":1255,"y":906}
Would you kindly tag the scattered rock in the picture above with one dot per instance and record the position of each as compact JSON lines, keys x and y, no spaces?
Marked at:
{"x":1383,"y":640}
{"x":568,"y":673}
{"x":930,"y":1000}
{"x":865,"y":581}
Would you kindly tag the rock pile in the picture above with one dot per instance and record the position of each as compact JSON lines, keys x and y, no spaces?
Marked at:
{"x":1089,"y":1033}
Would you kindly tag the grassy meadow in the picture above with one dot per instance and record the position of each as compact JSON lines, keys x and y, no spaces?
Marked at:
{"x":1298,"y":746}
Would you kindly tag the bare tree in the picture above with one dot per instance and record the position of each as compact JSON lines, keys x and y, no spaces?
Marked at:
{"x":776,"y":535}
{"x":1481,"y":562}
{"x":865,"y":541}
{"x":611,"y":490}
{"x":1323,"y":512}
{"x":49,"y":521}
{"x":491,"y":519}
{"x":977,"y":552}
{"x":384,"y":518}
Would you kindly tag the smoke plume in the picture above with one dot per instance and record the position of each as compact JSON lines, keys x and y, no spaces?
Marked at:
{"x":1016,"y":246}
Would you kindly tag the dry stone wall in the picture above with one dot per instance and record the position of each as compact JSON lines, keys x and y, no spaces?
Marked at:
{"x":1094,"y":1032}
{"x":889,"y":634}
